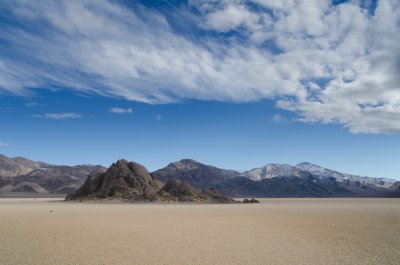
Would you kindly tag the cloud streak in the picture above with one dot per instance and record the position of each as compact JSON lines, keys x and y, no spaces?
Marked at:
{"x":121,"y":110}
{"x":58,"y":116}
{"x":34,"y":104}
{"x":326,"y":63}
{"x":3,"y":144}
{"x":279,"y":119}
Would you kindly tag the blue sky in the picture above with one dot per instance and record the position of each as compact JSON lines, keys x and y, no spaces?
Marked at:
{"x":235,"y":84}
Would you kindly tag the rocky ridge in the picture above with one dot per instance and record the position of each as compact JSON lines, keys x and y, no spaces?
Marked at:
{"x":130,"y":181}
{"x":279,"y":180}
{"x":23,"y":175}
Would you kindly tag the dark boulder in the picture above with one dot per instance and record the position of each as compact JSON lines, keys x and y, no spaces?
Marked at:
{"x":123,"y":180}
{"x":176,"y":190}
{"x":251,"y":201}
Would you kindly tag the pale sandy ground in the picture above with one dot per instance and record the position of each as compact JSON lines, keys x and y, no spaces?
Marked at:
{"x":276,"y":231}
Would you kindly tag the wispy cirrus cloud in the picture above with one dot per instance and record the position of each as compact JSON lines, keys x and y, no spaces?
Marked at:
{"x":58,"y":116}
{"x":3,"y":144}
{"x":278,"y":118}
{"x":327,"y":63}
{"x":159,"y":117}
{"x":121,"y":110}
{"x":34,"y":104}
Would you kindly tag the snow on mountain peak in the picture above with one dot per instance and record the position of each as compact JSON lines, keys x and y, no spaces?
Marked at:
{"x":306,"y":168}
{"x":271,"y":171}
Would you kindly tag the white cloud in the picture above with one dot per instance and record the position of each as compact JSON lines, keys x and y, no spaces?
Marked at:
{"x":277,"y":118}
{"x":327,"y":63}
{"x":3,"y":144}
{"x":121,"y":110}
{"x":58,"y":116}
{"x":33,"y":104}
{"x":230,"y":17}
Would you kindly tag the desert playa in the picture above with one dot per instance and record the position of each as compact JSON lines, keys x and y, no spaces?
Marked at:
{"x":275,"y":231}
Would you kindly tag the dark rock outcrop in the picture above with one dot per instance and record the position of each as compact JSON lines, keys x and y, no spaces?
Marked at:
{"x":176,"y":190}
{"x":123,"y":180}
{"x":129,"y":181}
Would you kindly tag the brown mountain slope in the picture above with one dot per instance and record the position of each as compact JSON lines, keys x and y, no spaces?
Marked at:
{"x":23,"y":175}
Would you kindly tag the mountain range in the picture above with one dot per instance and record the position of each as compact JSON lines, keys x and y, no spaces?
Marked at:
{"x":23,"y":175}
{"x":272,"y":180}
{"x":279,"y":180}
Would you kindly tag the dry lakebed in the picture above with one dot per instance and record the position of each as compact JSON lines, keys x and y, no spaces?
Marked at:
{"x":48,"y":231}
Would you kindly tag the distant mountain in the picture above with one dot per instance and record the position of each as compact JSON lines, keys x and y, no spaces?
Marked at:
{"x":12,"y":167}
{"x":327,"y":178}
{"x":197,"y":174}
{"x":130,"y":181}
{"x":23,"y":175}
{"x":272,"y":180}
{"x":322,"y":173}
{"x":278,"y":180}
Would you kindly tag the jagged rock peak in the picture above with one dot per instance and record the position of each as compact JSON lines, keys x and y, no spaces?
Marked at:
{"x":122,"y":166}
{"x":122,"y":180}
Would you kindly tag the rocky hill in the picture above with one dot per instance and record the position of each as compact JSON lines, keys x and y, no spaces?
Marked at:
{"x":123,"y":180}
{"x":197,"y":174}
{"x":129,"y":181}
{"x":176,"y":190}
